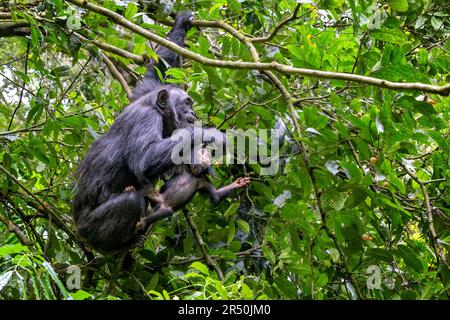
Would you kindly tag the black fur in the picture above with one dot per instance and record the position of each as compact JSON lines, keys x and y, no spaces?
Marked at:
{"x":176,"y":35}
{"x":134,"y":152}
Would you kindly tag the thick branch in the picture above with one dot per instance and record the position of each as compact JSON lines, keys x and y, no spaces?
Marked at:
{"x":10,"y":29}
{"x":5,"y":15}
{"x":117,"y":18}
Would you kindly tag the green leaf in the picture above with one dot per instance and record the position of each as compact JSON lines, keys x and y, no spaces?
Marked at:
{"x":166,"y":295}
{"x":153,"y":281}
{"x":380,"y":254}
{"x":262,"y":189}
{"x":73,"y":23}
{"x":231,"y":232}
{"x":436,"y":23}
{"x":394,"y":36}
{"x":4,"y":279}
{"x":334,"y":254}
{"x":322,"y":280}
{"x":356,"y":198}
{"x":243,"y":225}
{"x":290,"y":211}
{"x":35,"y":37}
{"x":131,"y":10}
{"x":286,"y":287}
{"x":420,"y":22}
{"x":231,"y":211}
{"x":399,"y":5}
{"x":9,"y":249}
{"x":45,"y":284}
{"x":269,"y":255}
{"x":410,"y":258}
{"x":200,"y":267}
{"x":416,"y":106}
{"x":80,"y":295}
{"x":55,"y":278}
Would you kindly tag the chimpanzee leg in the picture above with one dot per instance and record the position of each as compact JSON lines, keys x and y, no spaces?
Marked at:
{"x":112,"y":225}
{"x":160,"y":211}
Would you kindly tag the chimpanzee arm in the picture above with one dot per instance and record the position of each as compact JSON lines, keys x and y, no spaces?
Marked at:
{"x":218,"y":194}
{"x":154,"y":159}
{"x":177,"y":35}
{"x":158,"y":159}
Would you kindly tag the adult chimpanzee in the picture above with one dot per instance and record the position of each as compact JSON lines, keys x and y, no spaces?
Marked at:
{"x":122,"y":166}
{"x":180,"y":190}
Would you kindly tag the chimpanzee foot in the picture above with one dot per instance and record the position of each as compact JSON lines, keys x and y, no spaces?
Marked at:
{"x":139,"y":241}
{"x":129,"y":189}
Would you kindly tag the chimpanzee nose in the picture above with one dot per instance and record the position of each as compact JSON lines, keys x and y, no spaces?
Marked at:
{"x":191,"y":116}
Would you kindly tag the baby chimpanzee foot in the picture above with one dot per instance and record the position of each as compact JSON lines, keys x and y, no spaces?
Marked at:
{"x":129,"y":189}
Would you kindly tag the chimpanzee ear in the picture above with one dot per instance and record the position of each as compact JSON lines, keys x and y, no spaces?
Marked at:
{"x":163,"y":98}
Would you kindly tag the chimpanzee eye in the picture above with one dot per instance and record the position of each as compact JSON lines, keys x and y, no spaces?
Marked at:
{"x":189,"y":101}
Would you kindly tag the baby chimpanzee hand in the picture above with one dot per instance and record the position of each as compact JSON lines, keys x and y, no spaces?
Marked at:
{"x":242,"y":182}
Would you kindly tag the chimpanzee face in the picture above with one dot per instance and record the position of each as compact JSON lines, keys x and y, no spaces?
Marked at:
{"x":176,"y":107}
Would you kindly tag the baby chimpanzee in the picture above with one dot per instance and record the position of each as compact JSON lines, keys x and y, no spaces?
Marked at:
{"x":179,"y":190}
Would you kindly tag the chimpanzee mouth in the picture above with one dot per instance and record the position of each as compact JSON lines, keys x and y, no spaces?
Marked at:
{"x":191,"y":119}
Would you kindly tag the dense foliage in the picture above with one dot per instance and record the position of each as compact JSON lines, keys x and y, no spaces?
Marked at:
{"x":359,"y":209}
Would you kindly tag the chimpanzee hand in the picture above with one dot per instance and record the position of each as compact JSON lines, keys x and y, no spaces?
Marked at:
{"x":241,"y":182}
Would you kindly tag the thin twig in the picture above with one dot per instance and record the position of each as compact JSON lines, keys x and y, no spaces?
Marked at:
{"x":277,"y":28}
{"x":72,"y":82}
{"x":116,"y":74}
{"x":118,"y":51}
{"x":16,"y":230}
{"x":42,"y":206}
{"x":23,"y":88}
{"x":202,"y":244}
{"x":439,"y":251}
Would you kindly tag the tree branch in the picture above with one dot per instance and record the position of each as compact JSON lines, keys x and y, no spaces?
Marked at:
{"x":10,"y":29}
{"x":23,"y":88}
{"x":116,"y":74}
{"x":5,"y":15}
{"x":120,"y":52}
{"x":439,"y":251}
{"x":277,"y":28}
{"x":117,"y":18}
{"x":202,"y":244}
{"x":12,"y":227}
